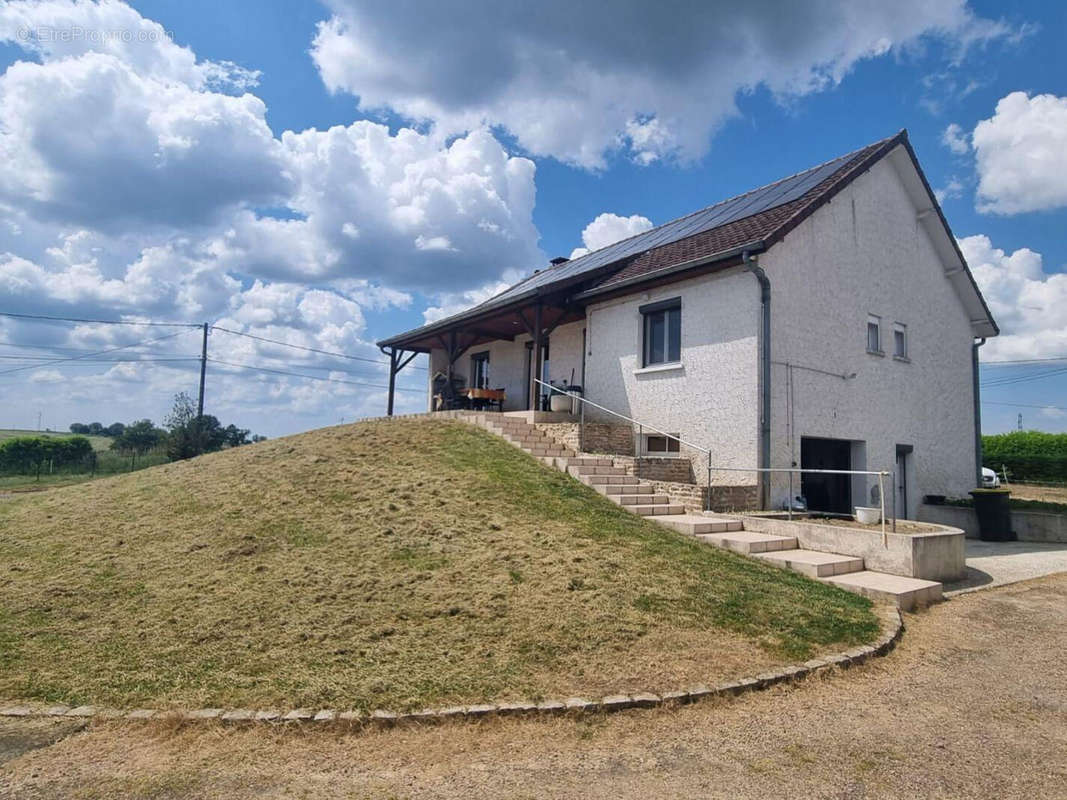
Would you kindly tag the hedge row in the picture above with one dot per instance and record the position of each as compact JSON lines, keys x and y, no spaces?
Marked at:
{"x":1027,"y":455}
{"x":25,"y":455}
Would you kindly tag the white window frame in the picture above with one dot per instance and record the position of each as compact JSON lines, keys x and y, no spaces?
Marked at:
{"x":902,"y":353}
{"x":665,"y":307}
{"x":668,"y":443}
{"x":876,"y":321}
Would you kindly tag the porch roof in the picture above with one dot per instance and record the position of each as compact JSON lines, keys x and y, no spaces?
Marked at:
{"x":479,"y":325}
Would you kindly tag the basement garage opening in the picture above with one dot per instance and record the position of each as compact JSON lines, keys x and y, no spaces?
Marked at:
{"x":829,"y":493}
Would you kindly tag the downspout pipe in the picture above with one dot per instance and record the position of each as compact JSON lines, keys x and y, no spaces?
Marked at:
{"x":749,"y":263}
{"x":977,"y":413}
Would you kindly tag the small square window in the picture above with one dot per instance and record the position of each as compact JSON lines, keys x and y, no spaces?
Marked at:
{"x":874,"y":334}
{"x":900,"y":341}
{"x":661,"y":445}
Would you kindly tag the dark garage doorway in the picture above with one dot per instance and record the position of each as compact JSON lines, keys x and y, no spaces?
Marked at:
{"x":829,"y":493}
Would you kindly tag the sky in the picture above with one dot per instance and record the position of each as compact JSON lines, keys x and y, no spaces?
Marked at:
{"x":328,"y":174}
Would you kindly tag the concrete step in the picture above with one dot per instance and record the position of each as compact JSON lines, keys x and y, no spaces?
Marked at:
{"x":905,"y":593}
{"x":639,"y":499}
{"x":656,"y":510}
{"x":625,"y":488}
{"x":589,"y":461}
{"x":696,"y":524}
{"x":619,"y":480}
{"x":749,"y":542}
{"x":582,"y":471}
{"x":813,"y":563}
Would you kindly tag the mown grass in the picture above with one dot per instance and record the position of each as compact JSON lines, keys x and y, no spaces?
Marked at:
{"x":399,"y":564}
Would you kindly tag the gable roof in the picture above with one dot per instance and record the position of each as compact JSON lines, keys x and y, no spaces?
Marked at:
{"x":752,"y":221}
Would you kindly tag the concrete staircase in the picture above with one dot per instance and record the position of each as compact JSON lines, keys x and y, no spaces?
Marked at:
{"x":639,"y":497}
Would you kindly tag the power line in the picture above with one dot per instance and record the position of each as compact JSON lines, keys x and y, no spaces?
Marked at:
{"x":98,"y":353}
{"x":1012,"y":379}
{"x":307,"y":349}
{"x":1025,"y":360}
{"x":65,"y":362}
{"x":99,"y":321}
{"x":310,"y":377}
{"x":1023,"y":405}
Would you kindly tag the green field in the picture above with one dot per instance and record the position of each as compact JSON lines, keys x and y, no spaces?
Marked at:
{"x":402,"y":565}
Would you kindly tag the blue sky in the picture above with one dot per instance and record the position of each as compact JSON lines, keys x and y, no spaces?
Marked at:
{"x":204,"y":237}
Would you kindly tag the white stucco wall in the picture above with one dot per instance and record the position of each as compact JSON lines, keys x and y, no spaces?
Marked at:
{"x":711,"y":400}
{"x":866,"y":253}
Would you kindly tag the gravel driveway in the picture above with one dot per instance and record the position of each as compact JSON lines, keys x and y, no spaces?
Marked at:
{"x":972,"y":704}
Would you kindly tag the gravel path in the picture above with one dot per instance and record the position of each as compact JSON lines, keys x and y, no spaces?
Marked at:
{"x":973,"y":703}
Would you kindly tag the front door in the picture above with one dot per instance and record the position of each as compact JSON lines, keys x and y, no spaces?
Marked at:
{"x":903,"y":457}
{"x":829,"y":493}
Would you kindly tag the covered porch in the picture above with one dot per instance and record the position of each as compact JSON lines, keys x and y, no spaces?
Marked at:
{"x":488,"y":357}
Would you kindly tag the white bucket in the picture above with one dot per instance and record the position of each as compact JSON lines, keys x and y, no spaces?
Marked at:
{"x":868,"y":516}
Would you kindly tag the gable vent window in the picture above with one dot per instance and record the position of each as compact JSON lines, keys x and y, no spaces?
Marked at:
{"x":874,"y":335}
{"x":662,"y":337}
{"x":900,"y":341}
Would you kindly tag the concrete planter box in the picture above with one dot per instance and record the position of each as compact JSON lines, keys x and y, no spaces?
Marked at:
{"x":935,"y":556}
{"x":1029,"y":526}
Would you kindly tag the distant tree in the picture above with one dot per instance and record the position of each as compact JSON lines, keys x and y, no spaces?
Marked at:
{"x":235,"y":437}
{"x":114,"y":429}
{"x":138,"y":438}
{"x":79,"y":427}
{"x":258,"y":438}
{"x":96,"y":428}
{"x":182,"y":439}
{"x":189,"y":436}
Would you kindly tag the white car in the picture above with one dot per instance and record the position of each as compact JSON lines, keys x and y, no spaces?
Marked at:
{"x":990,"y":480}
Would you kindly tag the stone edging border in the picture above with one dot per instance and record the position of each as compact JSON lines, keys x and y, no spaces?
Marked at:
{"x":893,"y":628}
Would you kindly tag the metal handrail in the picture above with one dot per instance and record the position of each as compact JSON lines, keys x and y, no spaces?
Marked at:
{"x":578,"y":397}
{"x":881,"y":474}
{"x":640,"y":426}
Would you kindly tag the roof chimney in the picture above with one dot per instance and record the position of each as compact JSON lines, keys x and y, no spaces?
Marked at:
{"x":555,"y":262}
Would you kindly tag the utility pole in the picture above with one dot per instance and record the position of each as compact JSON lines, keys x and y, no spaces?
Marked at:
{"x":1020,"y":423}
{"x":203,"y":372}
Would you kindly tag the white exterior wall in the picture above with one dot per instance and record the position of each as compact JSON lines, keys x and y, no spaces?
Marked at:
{"x":711,"y":399}
{"x":866,"y":253}
{"x":507,"y":363}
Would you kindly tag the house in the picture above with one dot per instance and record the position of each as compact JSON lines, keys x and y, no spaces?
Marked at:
{"x":825,"y":321}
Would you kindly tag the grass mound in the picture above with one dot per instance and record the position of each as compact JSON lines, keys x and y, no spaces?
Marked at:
{"x":400,"y":564}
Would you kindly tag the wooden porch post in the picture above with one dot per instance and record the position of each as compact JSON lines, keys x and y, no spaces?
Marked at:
{"x":535,"y":367}
{"x":392,"y":380}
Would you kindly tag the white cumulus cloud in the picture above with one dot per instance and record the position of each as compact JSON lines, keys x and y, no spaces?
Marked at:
{"x":1021,"y":154}
{"x":1029,"y":304}
{"x":579,"y":80}
{"x":609,"y":228}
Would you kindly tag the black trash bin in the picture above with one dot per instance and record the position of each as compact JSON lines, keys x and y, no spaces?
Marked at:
{"x":993,"y":509}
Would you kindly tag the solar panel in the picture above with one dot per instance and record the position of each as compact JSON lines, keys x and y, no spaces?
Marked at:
{"x":746,"y":205}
